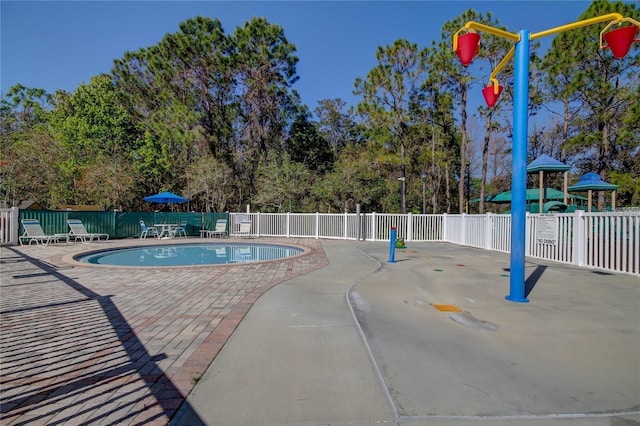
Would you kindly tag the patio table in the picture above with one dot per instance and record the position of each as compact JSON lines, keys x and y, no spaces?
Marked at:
{"x":165,"y":229}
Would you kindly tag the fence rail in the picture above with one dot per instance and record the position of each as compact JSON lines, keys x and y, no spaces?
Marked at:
{"x":608,"y":240}
{"x":605,"y":240}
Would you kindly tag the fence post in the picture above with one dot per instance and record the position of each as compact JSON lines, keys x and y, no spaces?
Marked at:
{"x":392,"y":246}
{"x":528,"y":229}
{"x":346,"y":228}
{"x":287,"y":224}
{"x":358,"y":224}
{"x":317,"y":225}
{"x":463,"y":236}
{"x":14,"y":225}
{"x":488,"y":232}
{"x":578,"y":240}
{"x":410,"y":227}
{"x":257,"y":224}
{"x":373,"y":226}
{"x":444,"y":227}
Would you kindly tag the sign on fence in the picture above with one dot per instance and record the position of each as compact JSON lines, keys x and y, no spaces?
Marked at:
{"x":547,"y":230}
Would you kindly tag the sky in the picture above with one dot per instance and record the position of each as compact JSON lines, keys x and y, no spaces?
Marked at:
{"x":61,"y":44}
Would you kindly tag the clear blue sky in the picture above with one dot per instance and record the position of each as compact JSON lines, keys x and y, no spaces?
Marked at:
{"x":59,"y":45}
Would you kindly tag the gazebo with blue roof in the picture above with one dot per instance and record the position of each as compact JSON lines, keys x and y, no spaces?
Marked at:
{"x":592,"y":182}
{"x":545,"y":163}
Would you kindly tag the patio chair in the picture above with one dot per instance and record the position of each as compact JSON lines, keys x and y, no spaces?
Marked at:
{"x":34,"y":232}
{"x":245,"y":228}
{"x":79,"y":232}
{"x":180,"y":229}
{"x":220,"y":229}
{"x":148,"y":230}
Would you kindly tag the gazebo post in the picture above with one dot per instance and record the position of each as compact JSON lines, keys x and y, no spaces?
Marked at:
{"x":566,"y":185}
{"x":541,"y":196}
{"x":613,"y":199}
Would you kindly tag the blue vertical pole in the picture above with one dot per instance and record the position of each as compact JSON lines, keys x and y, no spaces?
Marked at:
{"x":392,"y":246}
{"x":519,"y":171}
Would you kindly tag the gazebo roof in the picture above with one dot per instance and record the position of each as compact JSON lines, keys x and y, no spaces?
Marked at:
{"x":546,"y":164}
{"x":532,"y":194}
{"x":592,"y":181}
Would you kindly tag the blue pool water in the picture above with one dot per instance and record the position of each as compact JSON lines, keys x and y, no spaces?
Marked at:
{"x":189,"y":254}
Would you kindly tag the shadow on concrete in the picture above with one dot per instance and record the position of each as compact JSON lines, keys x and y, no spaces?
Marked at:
{"x":69,"y":354}
{"x":533,"y":279}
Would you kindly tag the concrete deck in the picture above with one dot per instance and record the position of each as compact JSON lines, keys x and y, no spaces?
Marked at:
{"x":337,"y":336}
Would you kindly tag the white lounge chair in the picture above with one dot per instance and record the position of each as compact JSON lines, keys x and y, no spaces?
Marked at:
{"x":79,"y":232}
{"x":34,"y":232}
{"x":245,"y":228}
{"x":220,"y":229}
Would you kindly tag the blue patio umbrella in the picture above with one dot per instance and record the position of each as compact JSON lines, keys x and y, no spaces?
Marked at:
{"x":165,"y":198}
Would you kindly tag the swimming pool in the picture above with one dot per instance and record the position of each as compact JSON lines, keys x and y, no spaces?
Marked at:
{"x":189,"y":254}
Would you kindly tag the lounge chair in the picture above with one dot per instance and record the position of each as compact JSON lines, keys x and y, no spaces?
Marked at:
{"x":220,"y":229}
{"x":245,"y":228}
{"x":148,"y":230}
{"x":79,"y":232}
{"x":34,"y":232}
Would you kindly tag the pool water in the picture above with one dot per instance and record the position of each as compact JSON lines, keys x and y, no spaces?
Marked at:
{"x":189,"y":254}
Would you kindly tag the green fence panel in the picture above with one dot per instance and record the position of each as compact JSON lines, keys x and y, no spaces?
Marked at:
{"x":51,"y":222}
{"x":128,"y":223}
{"x":209,"y":220}
{"x":120,"y":224}
{"x":55,"y":222}
{"x":96,"y":222}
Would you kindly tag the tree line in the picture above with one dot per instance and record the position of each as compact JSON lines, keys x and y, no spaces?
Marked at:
{"x":215,"y":117}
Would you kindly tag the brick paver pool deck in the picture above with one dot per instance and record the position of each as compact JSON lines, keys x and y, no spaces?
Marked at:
{"x":342,"y":337}
{"x":119,"y":346}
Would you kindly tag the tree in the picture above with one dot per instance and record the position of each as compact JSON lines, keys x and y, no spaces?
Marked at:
{"x":387,"y":93}
{"x":211,"y":184}
{"x":23,"y":107}
{"x":265,"y":68}
{"x":448,"y":73}
{"x":29,"y":169}
{"x":597,"y":91}
{"x":337,"y":126}
{"x":438,"y":157}
{"x":95,"y":132}
{"x":27,"y":148}
{"x":356,"y":179}
{"x":180,"y":96}
{"x":307,"y":146}
{"x":281,"y":184}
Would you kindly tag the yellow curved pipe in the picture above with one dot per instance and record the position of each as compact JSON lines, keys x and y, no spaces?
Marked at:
{"x":496,"y":85}
{"x":579,"y":24}
{"x":502,"y":63}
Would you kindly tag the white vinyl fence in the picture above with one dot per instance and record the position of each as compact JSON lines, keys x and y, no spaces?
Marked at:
{"x":9,"y":225}
{"x":609,"y":241}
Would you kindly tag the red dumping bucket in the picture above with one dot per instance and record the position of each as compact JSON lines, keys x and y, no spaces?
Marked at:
{"x":468,"y":47}
{"x":489,"y":96}
{"x":620,"y":39}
